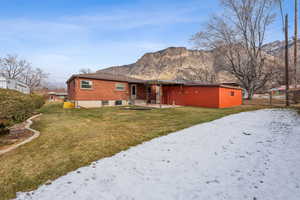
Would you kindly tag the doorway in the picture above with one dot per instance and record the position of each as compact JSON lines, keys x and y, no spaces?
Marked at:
{"x":133,"y":91}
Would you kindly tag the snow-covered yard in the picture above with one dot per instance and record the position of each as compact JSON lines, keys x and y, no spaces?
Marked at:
{"x":252,"y":155}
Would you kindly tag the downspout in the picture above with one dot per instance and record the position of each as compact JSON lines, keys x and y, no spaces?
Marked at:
{"x":160,"y":95}
{"x":219,"y":97}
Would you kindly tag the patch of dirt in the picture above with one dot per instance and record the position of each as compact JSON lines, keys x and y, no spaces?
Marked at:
{"x":136,"y":108}
{"x":17,"y":134}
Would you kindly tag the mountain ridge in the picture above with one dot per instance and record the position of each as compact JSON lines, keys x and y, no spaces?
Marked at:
{"x":180,"y":63}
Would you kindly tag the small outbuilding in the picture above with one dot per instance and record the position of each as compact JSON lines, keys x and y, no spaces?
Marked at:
{"x":203,"y":95}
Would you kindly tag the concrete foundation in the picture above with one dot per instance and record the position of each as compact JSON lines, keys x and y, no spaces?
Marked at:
{"x":97,"y":104}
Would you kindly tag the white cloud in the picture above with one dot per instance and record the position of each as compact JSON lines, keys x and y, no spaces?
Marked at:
{"x":130,"y":19}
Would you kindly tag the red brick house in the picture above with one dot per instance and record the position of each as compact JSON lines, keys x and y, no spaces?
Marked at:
{"x":104,"y":89}
{"x":57,"y":96}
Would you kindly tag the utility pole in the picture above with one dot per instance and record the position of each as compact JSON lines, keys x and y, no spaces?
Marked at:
{"x":286,"y":61}
{"x":295,"y":43}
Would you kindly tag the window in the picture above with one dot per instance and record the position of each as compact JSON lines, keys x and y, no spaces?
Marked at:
{"x":120,"y":86}
{"x":104,"y":103}
{"x":118,"y":102}
{"x":85,"y":84}
{"x":232,"y":93}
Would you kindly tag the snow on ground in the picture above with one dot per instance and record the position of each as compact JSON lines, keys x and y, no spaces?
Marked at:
{"x":252,"y":155}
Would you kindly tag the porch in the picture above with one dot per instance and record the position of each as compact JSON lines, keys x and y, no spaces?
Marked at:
{"x":144,"y":94}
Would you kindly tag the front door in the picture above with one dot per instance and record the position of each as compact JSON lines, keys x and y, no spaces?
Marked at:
{"x":133,"y":91}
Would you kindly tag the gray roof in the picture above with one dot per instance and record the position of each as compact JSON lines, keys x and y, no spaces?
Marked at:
{"x":122,"y":78}
{"x":191,"y":83}
{"x":107,"y":76}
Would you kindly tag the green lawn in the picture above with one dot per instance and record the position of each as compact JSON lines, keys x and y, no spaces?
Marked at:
{"x":74,"y":138}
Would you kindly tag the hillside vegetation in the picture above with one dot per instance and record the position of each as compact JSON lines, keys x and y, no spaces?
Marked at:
{"x":16,"y":107}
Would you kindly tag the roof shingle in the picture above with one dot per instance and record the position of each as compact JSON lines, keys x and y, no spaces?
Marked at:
{"x":107,"y":76}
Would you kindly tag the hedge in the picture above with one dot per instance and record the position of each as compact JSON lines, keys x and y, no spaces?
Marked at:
{"x":16,"y":107}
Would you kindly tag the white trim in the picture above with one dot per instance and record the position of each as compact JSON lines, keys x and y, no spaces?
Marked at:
{"x":90,"y":83}
{"x":120,"y":84}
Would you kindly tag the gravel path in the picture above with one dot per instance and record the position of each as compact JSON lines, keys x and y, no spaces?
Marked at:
{"x":252,"y":155}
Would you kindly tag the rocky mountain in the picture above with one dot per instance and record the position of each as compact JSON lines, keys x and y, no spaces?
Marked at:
{"x":174,"y":63}
{"x":180,"y":63}
{"x":277,"y":48}
{"x":274,"y":48}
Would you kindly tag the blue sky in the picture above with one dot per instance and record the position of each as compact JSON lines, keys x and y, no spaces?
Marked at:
{"x":62,"y":36}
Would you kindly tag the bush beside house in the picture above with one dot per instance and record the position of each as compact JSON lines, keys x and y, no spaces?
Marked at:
{"x":16,"y":107}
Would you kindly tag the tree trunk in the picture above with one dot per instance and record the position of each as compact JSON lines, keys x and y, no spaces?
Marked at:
{"x":249,"y":94}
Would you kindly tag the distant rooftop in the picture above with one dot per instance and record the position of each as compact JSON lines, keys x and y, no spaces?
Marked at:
{"x":58,"y":93}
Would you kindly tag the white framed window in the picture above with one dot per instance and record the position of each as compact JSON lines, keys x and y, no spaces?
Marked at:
{"x":120,"y":86}
{"x":86,"y":84}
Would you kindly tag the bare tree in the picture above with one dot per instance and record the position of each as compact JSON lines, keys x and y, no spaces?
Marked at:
{"x":205,"y":76}
{"x":13,"y":68}
{"x":33,"y":77}
{"x":199,"y":74}
{"x":238,"y":35}
{"x":85,"y":71}
{"x":21,"y":70}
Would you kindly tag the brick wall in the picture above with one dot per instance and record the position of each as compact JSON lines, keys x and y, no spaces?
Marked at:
{"x":71,"y":89}
{"x":141,"y":91}
{"x":101,"y":90}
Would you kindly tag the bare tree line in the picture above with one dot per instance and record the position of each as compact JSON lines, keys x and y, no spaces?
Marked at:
{"x":238,"y":35}
{"x":19,"y":69}
{"x":85,"y":71}
{"x":203,"y":75}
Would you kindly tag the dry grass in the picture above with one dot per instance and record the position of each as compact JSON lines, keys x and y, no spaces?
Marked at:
{"x":265,"y":102}
{"x":74,"y":138}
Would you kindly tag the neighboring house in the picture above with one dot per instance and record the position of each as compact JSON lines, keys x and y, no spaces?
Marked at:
{"x":281,"y":90}
{"x":12,"y":84}
{"x":103,"y":89}
{"x":57,"y":96}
